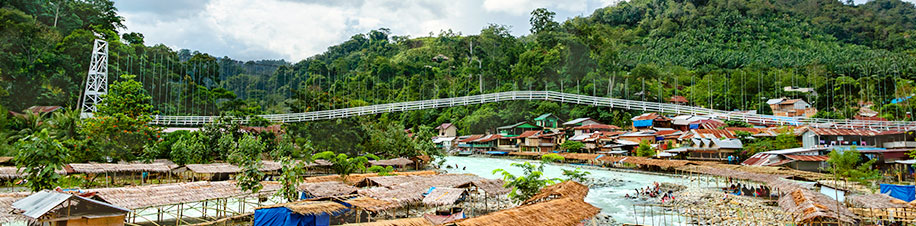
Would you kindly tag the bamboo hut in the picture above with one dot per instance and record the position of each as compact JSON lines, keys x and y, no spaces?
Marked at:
{"x":566,"y":189}
{"x":325,"y":189}
{"x":56,"y":208}
{"x":100,"y":168}
{"x":444,"y":196}
{"x":557,"y":212}
{"x":880,"y":207}
{"x":357,"y":178}
{"x":412,"y":190}
{"x":367,"y":204}
{"x":396,"y":222}
{"x":169,"y":194}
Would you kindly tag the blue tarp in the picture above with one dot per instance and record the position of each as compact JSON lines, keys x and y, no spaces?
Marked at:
{"x":642,"y":123}
{"x":282,"y":216}
{"x":902,"y":192}
{"x":694,"y":126}
{"x":497,"y":152}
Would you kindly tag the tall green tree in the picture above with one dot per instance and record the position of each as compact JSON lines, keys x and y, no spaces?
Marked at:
{"x":39,"y":157}
{"x":247,"y":156}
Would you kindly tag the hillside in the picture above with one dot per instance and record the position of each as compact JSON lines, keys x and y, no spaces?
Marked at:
{"x":724,"y":54}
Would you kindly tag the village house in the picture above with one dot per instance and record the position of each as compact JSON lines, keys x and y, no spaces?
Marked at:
{"x":807,"y":159}
{"x":538,"y":141}
{"x":588,"y":129}
{"x":446,"y":138}
{"x":447,"y":130}
{"x":485,"y":144}
{"x":820,"y":137}
{"x":791,"y":107}
{"x":580,"y":122}
{"x":517,"y":129}
{"x":548,"y":121}
{"x":649,"y":121}
{"x":710,"y":144}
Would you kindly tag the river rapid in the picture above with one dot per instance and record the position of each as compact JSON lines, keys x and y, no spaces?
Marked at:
{"x":610,"y":199}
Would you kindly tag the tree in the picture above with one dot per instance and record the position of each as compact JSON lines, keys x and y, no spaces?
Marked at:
{"x":290,"y":178}
{"x":542,"y":20}
{"x":576,"y":175}
{"x":343,"y":165}
{"x":528,"y":184}
{"x":849,"y":165}
{"x":189,"y":149}
{"x":247,"y":156}
{"x":120,"y":128}
{"x":572,"y":146}
{"x":39,"y":157}
{"x":644,"y":150}
{"x":381,"y":170}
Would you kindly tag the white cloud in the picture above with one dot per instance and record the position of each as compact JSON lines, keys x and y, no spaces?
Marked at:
{"x":296,"y":29}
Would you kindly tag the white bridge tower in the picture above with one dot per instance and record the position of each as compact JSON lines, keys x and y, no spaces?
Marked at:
{"x":97,"y":80}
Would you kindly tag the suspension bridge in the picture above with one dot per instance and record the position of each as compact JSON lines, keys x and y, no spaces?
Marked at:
{"x":96,"y":86}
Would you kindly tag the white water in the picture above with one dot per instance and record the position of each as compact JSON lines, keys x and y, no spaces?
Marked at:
{"x":610,"y":199}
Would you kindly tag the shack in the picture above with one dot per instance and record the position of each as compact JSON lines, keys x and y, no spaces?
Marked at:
{"x":56,"y":208}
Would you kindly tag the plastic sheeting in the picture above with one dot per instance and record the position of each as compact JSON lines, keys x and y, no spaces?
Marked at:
{"x":902,"y":192}
{"x":642,"y":123}
{"x":282,"y":216}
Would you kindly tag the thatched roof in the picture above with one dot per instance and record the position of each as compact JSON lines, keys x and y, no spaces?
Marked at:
{"x":397,"y":222}
{"x":5,"y":159}
{"x":557,"y":212}
{"x":386,"y":181}
{"x":167,"y":162}
{"x":214,"y":168}
{"x":327,"y":189}
{"x":368,"y":204}
{"x":6,"y":206}
{"x":116,"y":167}
{"x":310,"y":207}
{"x":876,"y":201}
{"x":11,"y":172}
{"x":566,"y":189}
{"x":356,"y":178}
{"x":134,"y":197}
{"x":492,"y":187}
{"x":807,"y":206}
{"x":443,"y":196}
{"x":413,"y":189}
{"x":391,"y":162}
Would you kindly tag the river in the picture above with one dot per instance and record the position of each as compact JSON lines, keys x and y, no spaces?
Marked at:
{"x":610,"y":199}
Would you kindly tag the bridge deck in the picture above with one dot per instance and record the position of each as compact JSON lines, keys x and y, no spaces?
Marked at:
{"x":549,"y":96}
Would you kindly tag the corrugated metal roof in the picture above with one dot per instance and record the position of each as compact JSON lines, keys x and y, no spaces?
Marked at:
{"x":597,"y":127}
{"x":470,"y":138}
{"x":649,"y":116}
{"x":577,"y":121}
{"x":444,"y":126}
{"x":712,"y":133}
{"x":528,"y":133}
{"x":850,"y":132}
{"x":38,"y":204}
{"x":808,"y":158}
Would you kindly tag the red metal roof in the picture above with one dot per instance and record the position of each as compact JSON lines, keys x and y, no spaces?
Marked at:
{"x":666,"y":132}
{"x":444,"y":126}
{"x":850,"y":132}
{"x":488,"y":138}
{"x":756,"y":160}
{"x":809,"y":158}
{"x":528,"y":133}
{"x":713,"y":133}
{"x":597,"y":127}
{"x":792,"y":101}
{"x":650,"y":116}
{"x":472,"y":137}
{"x":678,"y":99}
{"x":42,"y":109}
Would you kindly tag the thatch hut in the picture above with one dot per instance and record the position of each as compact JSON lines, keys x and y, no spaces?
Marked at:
{"x":566,"y":189}
{"x":875,"y":201}
{"x":302,"y":213}
{"x":444,"y":196}
{"x":367,"y":204}
{"x":325,"y":189}
{"x":395,"y":162}
{"x":810,"y":207}
{"x":170,"y":194}
{"x":101,"y":168}
{"x":412,"y":190}
{"x":386,"y":181}
{"x":397,"y":222}
{"x":557,"y":212}
{"x":492,"y":187}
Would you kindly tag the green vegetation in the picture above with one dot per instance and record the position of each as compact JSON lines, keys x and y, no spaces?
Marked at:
{"x":572,"y":146}
{"x":344,"y":165}
{"x":528,"y":184}
{"x":247,"y":155}
{"x":644,"y":150}
{"x":39,"y":156}
{"x":849,"y":166}
{"x":290,"y":178}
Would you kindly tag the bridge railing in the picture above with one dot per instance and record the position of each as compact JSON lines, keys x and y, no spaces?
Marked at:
{"x":549,"y":96}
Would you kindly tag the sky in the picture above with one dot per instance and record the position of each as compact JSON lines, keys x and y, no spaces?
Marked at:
{"x":297,"y":29}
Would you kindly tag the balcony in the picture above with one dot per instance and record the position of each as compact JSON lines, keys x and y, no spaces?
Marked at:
{"x":900,"y":144}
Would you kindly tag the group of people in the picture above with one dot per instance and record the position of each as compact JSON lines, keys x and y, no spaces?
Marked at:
{"x":652,"y":192}
{"x":740,"y":189}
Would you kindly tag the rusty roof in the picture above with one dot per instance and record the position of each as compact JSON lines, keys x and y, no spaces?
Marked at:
{"x":678,"y":99}
{"x":529,"y":133}
{"x":471,"y":138}
{"x":650,"y":116}
{"x":708,"y":133}
{"x":850,"y":132}
{"x":808,"y":158}
{"x":488,"y":138}
{"x":597,"y":127}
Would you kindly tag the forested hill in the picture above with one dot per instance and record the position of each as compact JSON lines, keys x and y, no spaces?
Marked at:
{"x":725,"y":54}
